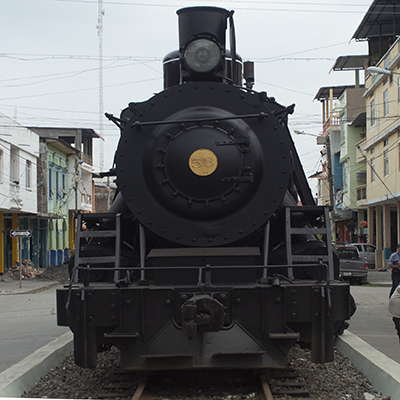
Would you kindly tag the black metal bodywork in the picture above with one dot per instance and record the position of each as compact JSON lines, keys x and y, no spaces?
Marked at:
{"x":205,"y":259}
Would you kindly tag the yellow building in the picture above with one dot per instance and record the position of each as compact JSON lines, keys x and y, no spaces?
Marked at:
{"x":382,"y":151}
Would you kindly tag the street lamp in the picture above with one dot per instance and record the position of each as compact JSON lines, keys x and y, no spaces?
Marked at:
{"x":376,"y":70}
{"x":305,"y":133}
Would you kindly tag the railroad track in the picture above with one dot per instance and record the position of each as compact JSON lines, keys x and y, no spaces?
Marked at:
{"x":277,"y":383}
{"x":269,"y":385}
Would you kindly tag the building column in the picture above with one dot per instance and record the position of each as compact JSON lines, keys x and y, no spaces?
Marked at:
{"x":386,"y":234}
{"x":2,"y":244}
{"x":398,"y":223}
{"x":14,"y":241}
{"x":35,"y":243}
{"x":379,"y":251}
{"x":370,"y":219}
{"x":360,"y":217}
{"x":71,"y":230}
{"x":44,"y":234}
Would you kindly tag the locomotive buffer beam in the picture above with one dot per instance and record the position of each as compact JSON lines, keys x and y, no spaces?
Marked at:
{"x":201,"y":313}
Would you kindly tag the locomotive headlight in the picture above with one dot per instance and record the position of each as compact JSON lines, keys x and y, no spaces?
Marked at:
{"x":202,"y":55}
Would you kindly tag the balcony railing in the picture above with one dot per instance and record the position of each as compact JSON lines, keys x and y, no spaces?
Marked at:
{"x":86,"y":158}
{"x":332,"y":123}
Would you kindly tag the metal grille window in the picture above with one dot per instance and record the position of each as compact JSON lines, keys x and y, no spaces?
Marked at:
{"x":385,"y":103}
{"x":386,"y":162}
{"x":372,"y":109}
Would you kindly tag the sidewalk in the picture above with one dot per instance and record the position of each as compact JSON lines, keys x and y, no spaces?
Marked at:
{"x":48,"y":278}
{"x":380,"y":278}
{"x":9,"y":285}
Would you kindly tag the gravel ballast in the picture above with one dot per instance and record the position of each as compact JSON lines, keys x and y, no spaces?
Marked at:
{"x":336,"y":380}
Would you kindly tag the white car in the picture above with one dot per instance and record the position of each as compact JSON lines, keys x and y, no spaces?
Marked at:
{"x":367,"y":251}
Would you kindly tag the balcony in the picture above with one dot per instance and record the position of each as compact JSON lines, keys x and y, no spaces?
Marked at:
{"x":86,"y":203}
{"x":332,"y":123}
{"x":86,"y":158}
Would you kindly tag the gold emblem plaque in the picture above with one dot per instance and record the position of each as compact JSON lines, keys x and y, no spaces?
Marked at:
{"x":203,"y":162}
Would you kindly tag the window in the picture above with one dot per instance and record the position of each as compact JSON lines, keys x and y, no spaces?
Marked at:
{"x":372,"y":169}
{"x":369,"y":248}
{"x":385,"y":103}
{"x":63,"y":185}
{"x":398,"y":88}
{"x":28,"y":168}
{"x":58,"y":185}
{"x":345,"y":176}
{"x":386,"y":162}
{"x":50,"y":182}
{"x":372,"y":109}
{"x":1,"y":165}
{"x":14,"y":165}
{"x":399,"y":156}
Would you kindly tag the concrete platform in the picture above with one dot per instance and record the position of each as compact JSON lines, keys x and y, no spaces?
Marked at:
{"x":22,"y":376}
{"x":382,"y":372}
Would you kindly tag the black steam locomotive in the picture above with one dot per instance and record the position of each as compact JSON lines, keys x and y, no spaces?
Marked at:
{"x":208,"y":256}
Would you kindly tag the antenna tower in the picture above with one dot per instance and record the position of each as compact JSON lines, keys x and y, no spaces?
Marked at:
{"x":101,"y":104}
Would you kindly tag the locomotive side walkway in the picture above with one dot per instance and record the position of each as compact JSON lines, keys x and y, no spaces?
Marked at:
{"x":371,"y":324}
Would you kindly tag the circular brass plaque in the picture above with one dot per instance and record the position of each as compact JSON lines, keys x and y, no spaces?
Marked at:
{"x":203,"y":162}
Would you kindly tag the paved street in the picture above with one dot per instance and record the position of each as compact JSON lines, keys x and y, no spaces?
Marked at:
{"x":372,"y":322}
{"x":28,"y":322}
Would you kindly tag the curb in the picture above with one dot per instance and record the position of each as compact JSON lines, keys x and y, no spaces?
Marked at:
{"x":37,"y":289}
{"x":22,"y":376}
{"x":381,"y":371}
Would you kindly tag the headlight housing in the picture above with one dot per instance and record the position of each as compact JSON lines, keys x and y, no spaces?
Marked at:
{"x":202,"y":55}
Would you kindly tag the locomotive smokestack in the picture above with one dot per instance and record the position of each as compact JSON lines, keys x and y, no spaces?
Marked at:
{"x":202,"y":20}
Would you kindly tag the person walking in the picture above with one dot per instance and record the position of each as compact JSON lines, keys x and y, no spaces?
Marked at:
{"x":393,"y":263}
{"x":394,"y":309}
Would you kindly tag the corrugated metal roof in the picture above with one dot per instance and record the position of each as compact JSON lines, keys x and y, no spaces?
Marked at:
{"x":381,"y":19}
{"x":350,"y":63}
{"x":337,"y":91}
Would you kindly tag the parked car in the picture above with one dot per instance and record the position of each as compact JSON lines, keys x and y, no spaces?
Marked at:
{"x":352,"y":266}
{"x":367,"y":251}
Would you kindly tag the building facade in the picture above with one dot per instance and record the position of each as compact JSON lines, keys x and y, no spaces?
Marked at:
{"x":382,"y":152}
{"x":19,"y":151}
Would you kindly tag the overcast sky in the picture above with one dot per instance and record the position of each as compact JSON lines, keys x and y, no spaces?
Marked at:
{"x":49,"y":58}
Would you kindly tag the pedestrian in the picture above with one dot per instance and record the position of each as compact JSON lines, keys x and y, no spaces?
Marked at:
{"x":394,"y":264}
{"x":394,"y":309}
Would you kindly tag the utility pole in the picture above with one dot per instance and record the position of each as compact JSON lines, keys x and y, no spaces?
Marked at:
{"x":330,"y":186}
{"x":101,"y":103}
{"x":325,"y":140}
